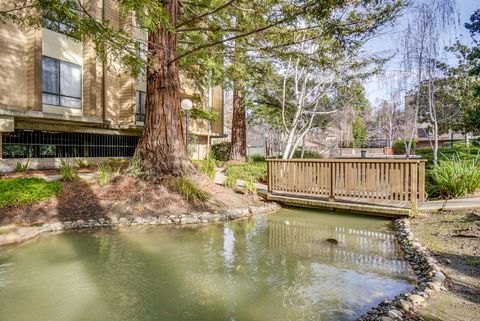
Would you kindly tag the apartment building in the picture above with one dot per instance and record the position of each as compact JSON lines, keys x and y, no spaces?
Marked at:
{"x":57,"y":100}
{"x":423,"y":134}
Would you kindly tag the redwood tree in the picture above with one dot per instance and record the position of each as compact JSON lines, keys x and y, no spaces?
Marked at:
{"x":162,"y":147}
{"x":238,"y":150}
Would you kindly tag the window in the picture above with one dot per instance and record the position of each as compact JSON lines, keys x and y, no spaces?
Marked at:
{"x":53,"y":21}
{"x":61,"y":83}
{"x":140,"y":113}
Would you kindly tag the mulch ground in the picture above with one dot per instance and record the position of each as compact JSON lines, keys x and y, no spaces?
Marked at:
{"x":124,"y":196}
{"x":454,"y":238}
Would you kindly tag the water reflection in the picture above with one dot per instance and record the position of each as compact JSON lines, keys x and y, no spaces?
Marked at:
{"x":278,"y":267}
{"x":345,"y":247}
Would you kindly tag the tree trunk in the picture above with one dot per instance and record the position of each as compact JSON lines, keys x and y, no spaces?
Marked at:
{"x":435,"y":146}
{"x":161,"y":150}
{"x":238,"y":152}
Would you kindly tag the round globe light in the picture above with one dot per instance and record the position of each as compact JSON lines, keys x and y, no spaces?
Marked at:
{"x":186,"y":104}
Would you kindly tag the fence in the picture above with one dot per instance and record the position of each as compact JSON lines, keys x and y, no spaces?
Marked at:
{"x":370,"y":180}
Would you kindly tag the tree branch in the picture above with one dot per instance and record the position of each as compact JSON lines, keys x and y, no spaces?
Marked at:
{"x":199,"y":17}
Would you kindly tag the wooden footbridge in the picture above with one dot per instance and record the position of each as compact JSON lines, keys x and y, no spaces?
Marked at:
{"x":386,"y":187}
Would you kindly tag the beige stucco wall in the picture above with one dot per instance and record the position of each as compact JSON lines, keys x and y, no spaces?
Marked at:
{"x":19,"y":49}
{"x":108,"y":92}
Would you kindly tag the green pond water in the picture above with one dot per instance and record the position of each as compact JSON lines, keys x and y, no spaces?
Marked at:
{"x":276,"y":267}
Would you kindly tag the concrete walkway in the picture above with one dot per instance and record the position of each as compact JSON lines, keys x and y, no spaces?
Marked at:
{"x":453,"y":204}
{"x":51,"y":178}
{"x":220,"y":179}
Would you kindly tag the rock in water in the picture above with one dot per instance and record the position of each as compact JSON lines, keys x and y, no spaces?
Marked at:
{"x":332,"y":241}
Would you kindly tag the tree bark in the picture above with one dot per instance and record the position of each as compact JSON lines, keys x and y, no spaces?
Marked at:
{"x":161,"y":149}
{"x":238,"y":151}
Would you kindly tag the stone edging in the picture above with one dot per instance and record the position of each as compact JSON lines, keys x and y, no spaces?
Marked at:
{"x":192,"y":218}
{"x":429,"y":279}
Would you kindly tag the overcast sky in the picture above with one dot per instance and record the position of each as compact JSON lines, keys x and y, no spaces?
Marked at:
{"x":387,"y":43}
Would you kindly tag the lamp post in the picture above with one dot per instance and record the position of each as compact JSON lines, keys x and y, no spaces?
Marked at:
{"x":186,"y":105}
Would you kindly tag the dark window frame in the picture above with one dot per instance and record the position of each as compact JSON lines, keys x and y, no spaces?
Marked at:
{"x":55,"y":24}
{"x":59,"y":94}
{"x":139,"y":116}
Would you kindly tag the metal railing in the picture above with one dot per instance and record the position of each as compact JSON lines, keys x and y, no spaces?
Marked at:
{"x":44,"y":144}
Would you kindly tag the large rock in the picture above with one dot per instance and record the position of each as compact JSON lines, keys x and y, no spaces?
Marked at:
{"x":394,"y":314}
{"x":416,"y":299}
{"x":405,"y":305}
{"x":439,"y":276}
{"x":434,"y":286}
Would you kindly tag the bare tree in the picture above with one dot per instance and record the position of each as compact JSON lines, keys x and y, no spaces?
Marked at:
{"x":422,"y":41}
{"x":309,"y":85}
{"x":388,"y":121}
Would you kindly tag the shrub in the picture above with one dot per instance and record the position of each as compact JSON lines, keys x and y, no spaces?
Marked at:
{"x":306,"y":154}
{"x":22,"y":168}
{"x":464,"y":153}
{"x":134,"y":168}
{"x":231,"y":180}
{"x":82,"y":163}
{"x":190,"y":192}
{"x":399,"y":146}
{"x":454,"y":177}
{"x":249,"y":186}
{"x":105,"y":173}
{"x":254,"y":170}
{"x":476,"y":142}
{"x":67,"y":171}
{"x":257,"y":158}
{"x":18,"y":191}
{"x":207,"y":166}
{"x":221,"y":151}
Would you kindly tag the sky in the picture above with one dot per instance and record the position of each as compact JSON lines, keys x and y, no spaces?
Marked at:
{"x":387,"y":43}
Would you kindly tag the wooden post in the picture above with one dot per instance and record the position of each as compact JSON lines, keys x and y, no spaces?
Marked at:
{"x":331,"y":197}
{"x":414,"y":184}
{"x":269,"y":177}
{"x":421,"y":181}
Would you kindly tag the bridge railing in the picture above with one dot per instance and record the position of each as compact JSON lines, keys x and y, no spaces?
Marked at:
{"x":370,"y":180}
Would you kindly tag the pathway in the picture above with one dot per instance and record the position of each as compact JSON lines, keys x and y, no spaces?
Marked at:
{"x":453,"y":204}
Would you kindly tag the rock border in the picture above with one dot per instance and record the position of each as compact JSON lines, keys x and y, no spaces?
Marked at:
{"x":182,"y":219}
{"x":429,"y":279}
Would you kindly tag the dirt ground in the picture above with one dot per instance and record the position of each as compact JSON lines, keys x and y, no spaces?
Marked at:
{"x":122,"y":197}
{"x":454,"y":238}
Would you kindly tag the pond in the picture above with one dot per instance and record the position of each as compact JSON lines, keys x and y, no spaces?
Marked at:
{"x":284,"y":266}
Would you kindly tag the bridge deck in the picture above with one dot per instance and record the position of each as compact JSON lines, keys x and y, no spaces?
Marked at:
{"x":386,"y":208}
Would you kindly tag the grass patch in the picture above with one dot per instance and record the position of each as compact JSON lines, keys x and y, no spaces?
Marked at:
{"x":134,"y":168}
{"x":256,"y":171}
{"x":19,"y":191}
{"x":473,"y":262}
{"x":67,"y":171}
{"x":22,"y":168}
{"x":231,"y":180}
{"x":82,"y":163}
{"x":190,"y":192}
{"x":249,"y":186}
{"x":105,"y":173}
{"x":207,"y":166}
{"x":454,"y":177}
{"x":458,"y":151}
